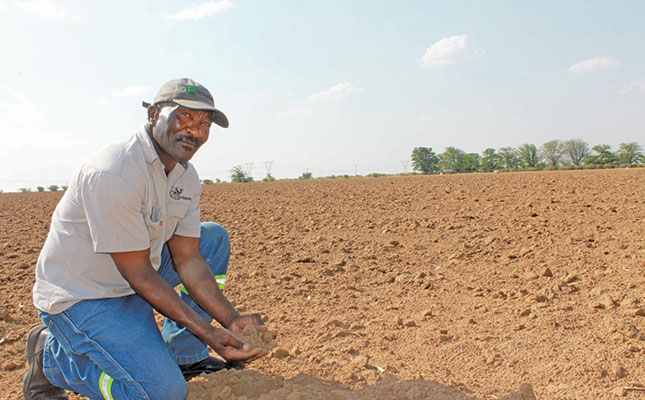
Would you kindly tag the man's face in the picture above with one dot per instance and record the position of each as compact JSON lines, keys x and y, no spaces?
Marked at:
{"x":179,"y":131}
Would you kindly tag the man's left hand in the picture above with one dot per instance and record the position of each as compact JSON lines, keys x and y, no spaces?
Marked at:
{"x":239,"y":322}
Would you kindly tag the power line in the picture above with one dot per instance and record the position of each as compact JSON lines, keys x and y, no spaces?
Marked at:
{"x":405,"y":165}
{"x":249,"y":168}
{"x":267,"y":166}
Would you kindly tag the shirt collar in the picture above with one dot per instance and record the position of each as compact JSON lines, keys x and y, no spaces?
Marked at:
{"x":149,"y":151}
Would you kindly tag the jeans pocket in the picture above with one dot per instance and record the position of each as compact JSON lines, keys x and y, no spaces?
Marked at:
{"x":84,"y":312}
{"x":58,"y":332}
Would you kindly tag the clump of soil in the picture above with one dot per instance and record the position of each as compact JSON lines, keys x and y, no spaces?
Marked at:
{"x":264,"y":340}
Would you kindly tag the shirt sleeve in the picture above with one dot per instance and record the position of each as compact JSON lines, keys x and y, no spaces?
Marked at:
{"x":190,"y":225}
{"x":113,"y":209}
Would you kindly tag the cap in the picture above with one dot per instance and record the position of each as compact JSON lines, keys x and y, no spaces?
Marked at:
{"x":190,"y":94}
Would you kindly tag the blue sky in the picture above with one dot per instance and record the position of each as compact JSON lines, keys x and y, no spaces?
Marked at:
{"x":329,"y":87}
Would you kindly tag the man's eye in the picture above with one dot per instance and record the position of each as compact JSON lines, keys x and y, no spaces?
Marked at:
{"x":206,"y":123}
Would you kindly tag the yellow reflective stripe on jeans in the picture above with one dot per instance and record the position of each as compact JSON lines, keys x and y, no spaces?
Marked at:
{"x":105,"y":385}
{"x":221,"y":281}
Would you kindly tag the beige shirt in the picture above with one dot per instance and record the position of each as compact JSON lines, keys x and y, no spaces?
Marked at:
{"x":119,"y":200}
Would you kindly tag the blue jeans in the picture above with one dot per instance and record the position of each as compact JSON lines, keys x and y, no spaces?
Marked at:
{"x":112,"y":348}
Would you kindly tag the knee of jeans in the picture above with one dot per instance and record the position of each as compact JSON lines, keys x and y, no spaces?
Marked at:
{"x":214,"y":233}
{"x":170,"y":388}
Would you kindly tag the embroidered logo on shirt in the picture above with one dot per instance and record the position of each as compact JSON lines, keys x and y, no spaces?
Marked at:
{"x":175,"y":194}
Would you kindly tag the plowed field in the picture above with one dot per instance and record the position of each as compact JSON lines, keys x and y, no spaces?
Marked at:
{"x":437,"y":287}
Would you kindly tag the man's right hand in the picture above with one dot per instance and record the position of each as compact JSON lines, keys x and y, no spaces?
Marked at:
{"x":228,"y":346}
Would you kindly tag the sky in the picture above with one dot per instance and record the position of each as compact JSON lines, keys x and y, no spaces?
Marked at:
{"x":328,"y":87}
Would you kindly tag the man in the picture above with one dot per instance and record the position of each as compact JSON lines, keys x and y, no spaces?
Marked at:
{"x":126,"y":232}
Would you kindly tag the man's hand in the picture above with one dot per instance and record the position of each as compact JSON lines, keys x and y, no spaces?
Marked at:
{"x":239,"y":322}
{"x":197,"y":278}
{"x":228,"y":346}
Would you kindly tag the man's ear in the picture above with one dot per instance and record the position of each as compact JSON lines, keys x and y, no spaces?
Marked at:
{"x":153,"y":113}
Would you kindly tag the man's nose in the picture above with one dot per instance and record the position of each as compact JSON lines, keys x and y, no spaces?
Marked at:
{"x":194,"y":131}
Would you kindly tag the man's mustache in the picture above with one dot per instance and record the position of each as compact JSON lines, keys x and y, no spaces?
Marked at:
{"x":190,"y":139}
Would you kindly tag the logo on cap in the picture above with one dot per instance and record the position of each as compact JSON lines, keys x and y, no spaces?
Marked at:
{"x":191,"y":89}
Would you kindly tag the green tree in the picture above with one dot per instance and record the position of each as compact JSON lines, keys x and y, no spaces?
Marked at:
{"x":64,"y":187}
{"x":577,"y":151}
{"x":551,"y":152}
{"x":509,"y":155}
{"x":528,"y":155}
{"x":471,"y":162}
{"x":24,"y":190}
{"x":630,"y":153}
{"x":491,"y":161}
{"x":207,"y":181}
{"x":240,"y":174}
{"x":40,"y":188}
{"x":452,"y":160}
{"x":52,"y":188}
{"x":268,"y":178}
{"x":424,"y":160}
{"x":604,"y":155}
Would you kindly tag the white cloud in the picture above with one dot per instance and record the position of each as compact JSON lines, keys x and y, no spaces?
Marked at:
{"x":131,"y":91}
{"x":41,"y":8}
{"x":22,"y":107}
{"x":338,"y":92}
{"x":593,"y":64}
{"x":202,"y":10}
{"x":293,"y":113}
{"x":3,"y":6}
{"x":20,"y":110}
{"x":447,"y":51}
{"x":633,"y":86}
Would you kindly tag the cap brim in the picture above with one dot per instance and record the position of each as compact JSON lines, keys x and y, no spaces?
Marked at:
{"x":219,"y":117}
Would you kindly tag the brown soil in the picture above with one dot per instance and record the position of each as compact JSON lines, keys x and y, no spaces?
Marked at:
{"x":460,"y":286}
{"x":257,"y":339}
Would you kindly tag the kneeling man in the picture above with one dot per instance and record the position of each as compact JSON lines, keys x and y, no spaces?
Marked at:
{"x":126,"y":232}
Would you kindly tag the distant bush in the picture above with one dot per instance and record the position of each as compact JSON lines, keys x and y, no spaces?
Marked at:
{"x":52,"y":188}
{"x":268,"y":178}
{"x":306,"y":175}
{"x":375,"y":175}
{"x":24,"y":190}
{"x":40,"y":188}
{"x":64,"y":187}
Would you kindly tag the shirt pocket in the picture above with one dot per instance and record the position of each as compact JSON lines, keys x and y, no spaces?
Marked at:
{"x":175,"y":213}
{"x":153,"y":218}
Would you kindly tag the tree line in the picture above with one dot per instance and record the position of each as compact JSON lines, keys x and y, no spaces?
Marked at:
{"x":555,"y":154}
